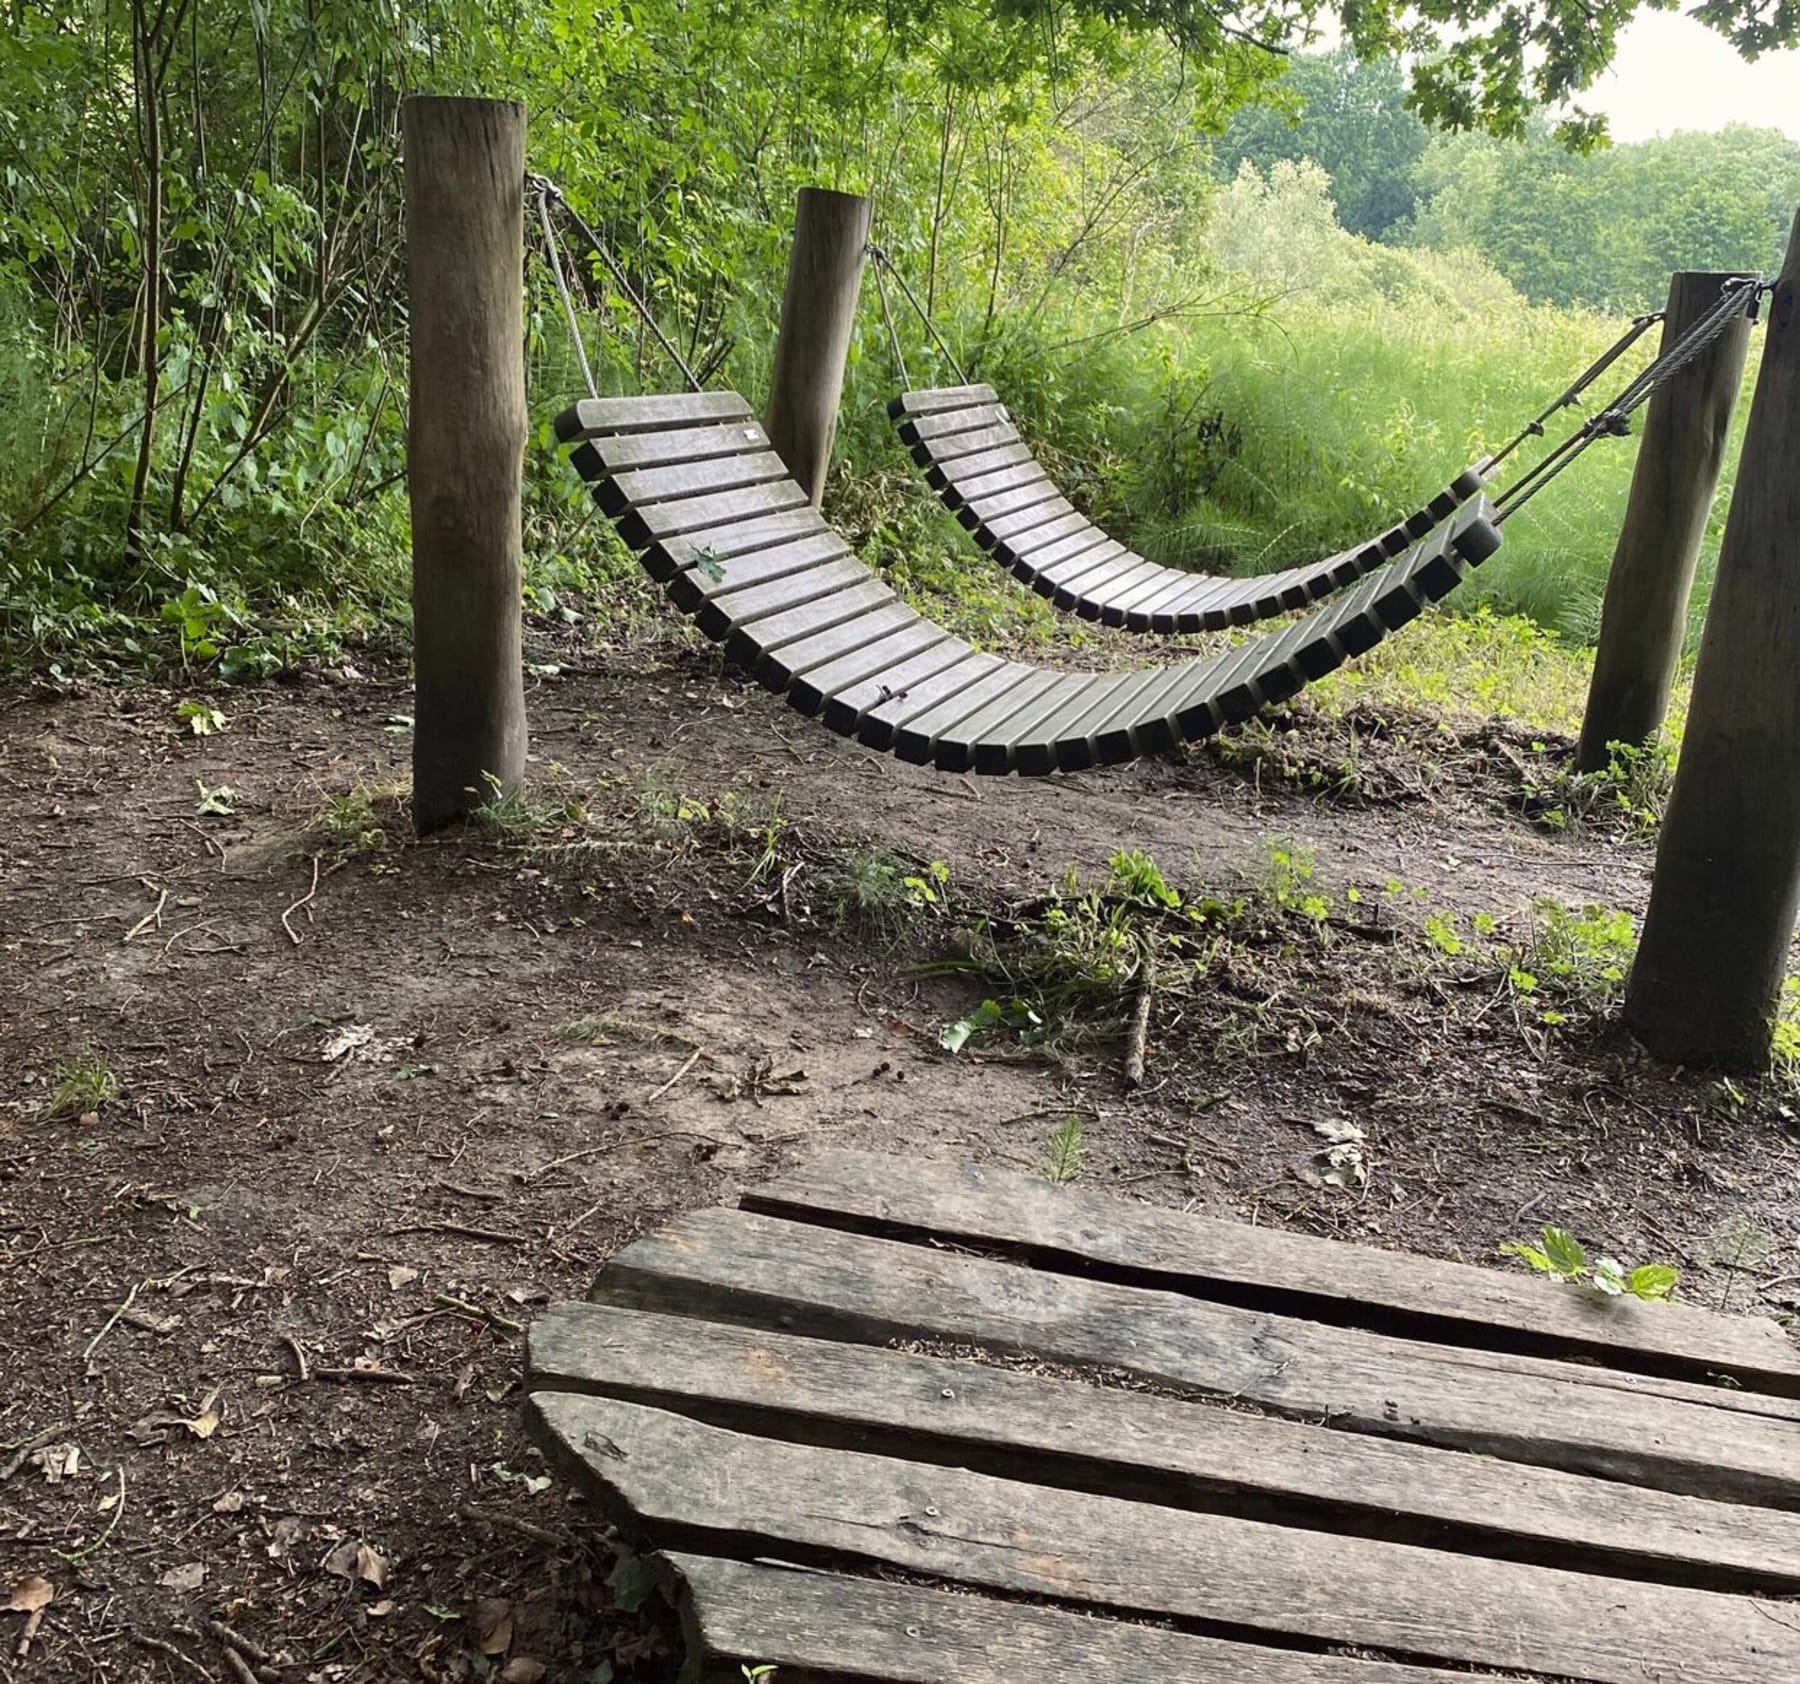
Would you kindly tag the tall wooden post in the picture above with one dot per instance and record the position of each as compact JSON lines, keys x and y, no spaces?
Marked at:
{"x":818,"y":311}
{"x":1714,"y":949}
{"x":465,"y":453}
{"x":1643,"y":623}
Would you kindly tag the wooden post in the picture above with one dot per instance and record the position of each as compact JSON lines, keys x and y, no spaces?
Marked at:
{"x":1713,"y":954}
{"x":1643,"y":623}
{"x":465,"y":449}
{"x":818,"y":311}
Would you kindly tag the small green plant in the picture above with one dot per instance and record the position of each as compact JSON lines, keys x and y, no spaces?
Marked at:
{"x":353,"y":826}
{"x":1287,"y":881}
{"x":758,"y":1674}
{"x":1562,"y":1257}
{"x":885,"y":895}
{"x":1631,"y":790}
{"x":202,"y":719}
{"x":1575,"y":962}
{"x":83,"y":1085}
{"x":1066,"y":1152}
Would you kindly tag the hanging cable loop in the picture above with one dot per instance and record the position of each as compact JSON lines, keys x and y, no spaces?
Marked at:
{"x":883,"y":261}
{"x":1739,"y":296}
{"x":548,"y":191}
{"x":553,"y":256}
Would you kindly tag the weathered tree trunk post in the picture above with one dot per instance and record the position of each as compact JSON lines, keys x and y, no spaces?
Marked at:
{"x":465,"y":206}
{"x":1710,"y":963}
{"x":1644,"y":621}
{"x":818,"y":311}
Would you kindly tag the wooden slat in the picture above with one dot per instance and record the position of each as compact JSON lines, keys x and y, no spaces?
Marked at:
{"x":641,"y":527}
{"x":931,"y":400}
{"x":871,"y":662}
{"x":989,"y":482}
{"x":750,"y":644}
{"x":984,"y":741}
{"x":692,"y":588}
{"x":939,"y":456}
{"x":745,"y":609}
{"x":1030,"y":493}
{"x":603,"y":417}
{"x":1016,"y":534}
{"x":781,"y":667}
{"x":683,"y":1482}
{"x":686,"y":444}
{"x":827,"y":1624}
{"x":919,"y":727}
{"x":981,"y":462}
{"x":930,"y":429}
{"x":737,"y":1265}
{"x":847,"y":709}
{"x":718,"y":544}
{"x":1033,"y":554}
{"x":1151,"y":1448}
{"x":688,"y":479}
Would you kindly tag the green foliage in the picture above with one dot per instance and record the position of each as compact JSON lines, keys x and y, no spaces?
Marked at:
{"x":1631,"y":790}
{"x":1066,"y":1153}
{"x":883,"y":895}
{"x":79,"y":1087}
{"x":1562,"y":1257}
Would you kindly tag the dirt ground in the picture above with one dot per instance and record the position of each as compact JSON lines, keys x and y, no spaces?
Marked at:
{"x":261,"y":1311}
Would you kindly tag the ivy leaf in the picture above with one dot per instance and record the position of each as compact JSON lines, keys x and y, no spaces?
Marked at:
{"x":1609,"y":1276}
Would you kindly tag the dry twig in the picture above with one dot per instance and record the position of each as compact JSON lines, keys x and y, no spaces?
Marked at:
{"x":304,"y":900}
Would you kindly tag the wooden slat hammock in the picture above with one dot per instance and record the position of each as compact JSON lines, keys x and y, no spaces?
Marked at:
{"x":694,"y":488}
{"x":987,"y":476}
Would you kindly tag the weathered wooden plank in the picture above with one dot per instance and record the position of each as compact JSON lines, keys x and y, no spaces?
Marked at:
{"x":847,"y":708}
{"x":973,"y":466}
{"x":743,"y":609}
{"x":872,"y":661}
{"x":691,"y":588}
{"x":1266,"y":1268}
{"x":680,"y":1482}
{"x":978,"y":487}
{"x":1014,"y":536}
{"x":917,"y":733}
{"x":929,"y":400}
{"x":930,"y":429}
{"x":620,"y":490}
{"x":603,"y":417}
{"x":810,"y":1624}
{"x":1032,"y":554}
{"x":748,"y":645}
{"x":939,"y":456}
{"x":884,"y":717}
{"x":735,"y":1265}
{"x":717,"y":543}
{"x":992,"y":506}
{"x":656,"y":522}
{"x":781,"y":667}
{"x":685,"y":444}
{"x":955,"y":743}
{"x":1154,"y":1448}
{"x":993,"y":743}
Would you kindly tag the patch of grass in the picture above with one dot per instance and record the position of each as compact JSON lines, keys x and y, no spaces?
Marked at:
{"x":1631,"y":791}
{"x":83,"y":1084}
{"x":882,"y":895}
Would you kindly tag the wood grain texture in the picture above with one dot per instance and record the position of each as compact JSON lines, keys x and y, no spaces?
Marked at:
{"x":1075,"y":1229}
{"x":1714,"y":948}
{"x":465,"y":450}
{"x":737,"y":1266}
{"x":818,"y":311}
{"x":809,"y":1624}
{"x":1150,"y":1448}
{"x":1644,"y":618}
{"x":683,"y":1483}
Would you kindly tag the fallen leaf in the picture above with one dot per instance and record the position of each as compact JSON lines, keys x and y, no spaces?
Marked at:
{"x":371,"y":1566}
{"x":203,"y":1425}
{"x":493,"y":1623}
{"x":189,"y":1577}
{"x":59,"y":1461}
{"x":522,"y":1669}
{"x":230,"y":1503}
{"x":344,"y":1040}
{"x":380,"y":1610}
{"x":400,"y":1276}
{"x":29,"y":1595}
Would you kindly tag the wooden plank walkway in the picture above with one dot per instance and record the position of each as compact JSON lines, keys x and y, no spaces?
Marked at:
{"x":904,"y":1421}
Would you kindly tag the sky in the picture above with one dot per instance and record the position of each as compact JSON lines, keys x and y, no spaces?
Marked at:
{"x":1672,"y":73}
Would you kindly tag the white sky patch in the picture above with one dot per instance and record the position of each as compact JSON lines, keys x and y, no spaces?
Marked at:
{"x":1673,"y":73}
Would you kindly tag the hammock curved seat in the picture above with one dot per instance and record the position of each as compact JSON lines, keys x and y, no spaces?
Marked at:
{"x":986,"y":475}
{"x":694,"y":488}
